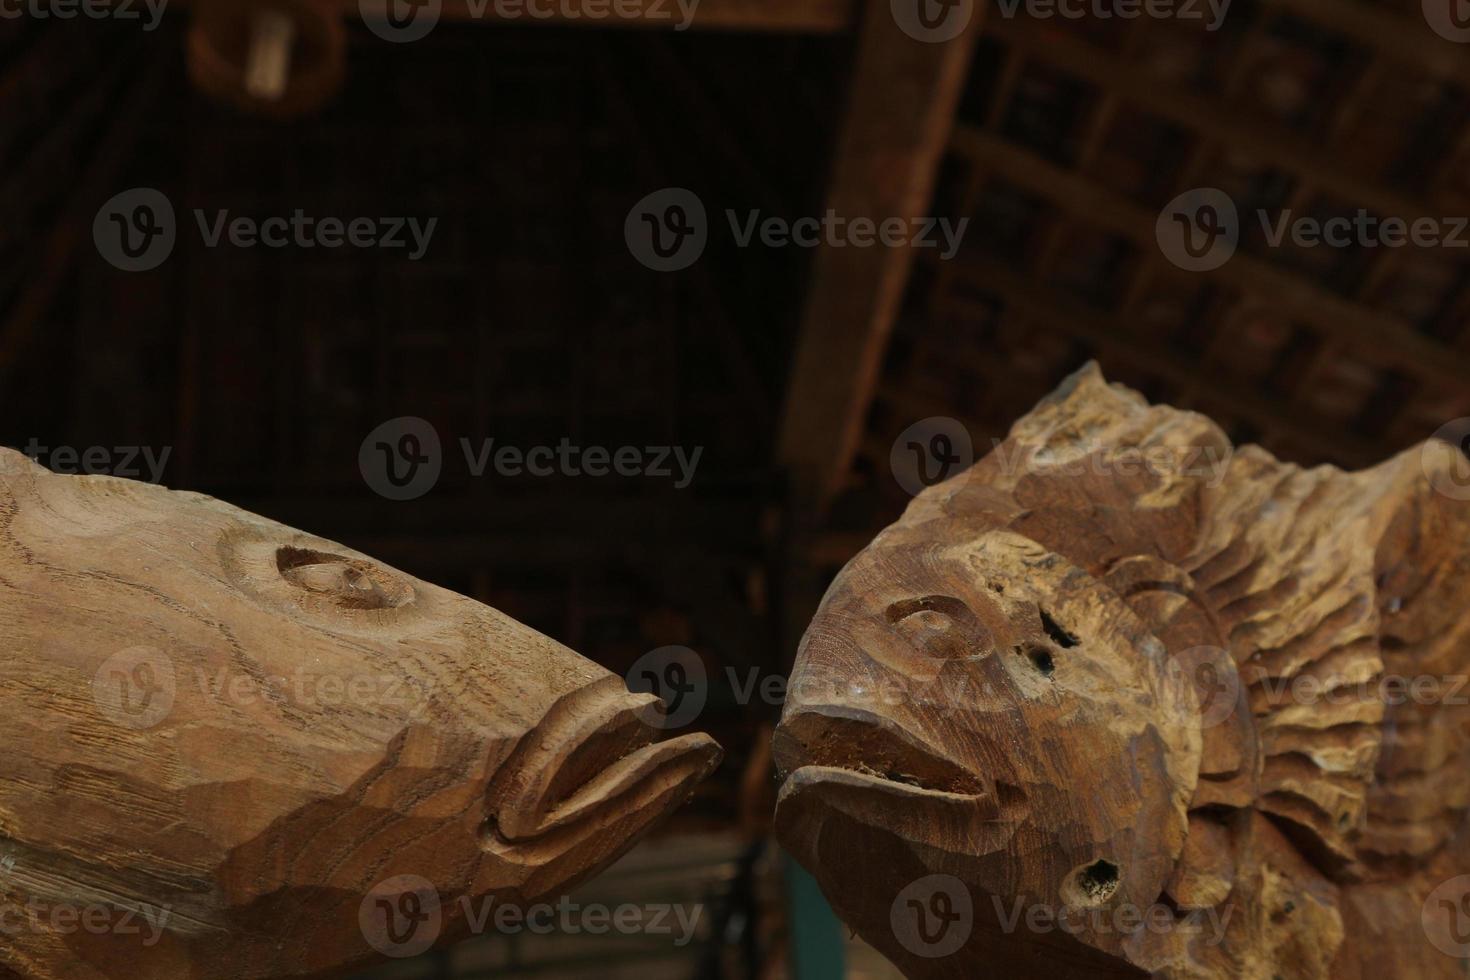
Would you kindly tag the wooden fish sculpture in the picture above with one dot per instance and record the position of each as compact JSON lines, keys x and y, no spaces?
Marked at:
{"x":236,"y":750}
{"x":1123,"y":701}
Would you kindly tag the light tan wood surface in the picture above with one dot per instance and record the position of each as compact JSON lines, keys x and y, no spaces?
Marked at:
{"x":265,"y":743}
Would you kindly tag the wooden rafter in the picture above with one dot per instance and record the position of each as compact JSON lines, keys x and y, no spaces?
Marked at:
{"x":795,"y":16}
{"x":1269,"y":141}
{"x":1377,"y":337}
{"x":1044,"y":307}
{"x":899,"y":116}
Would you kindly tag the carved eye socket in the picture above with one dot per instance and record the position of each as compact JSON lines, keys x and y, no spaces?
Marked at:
{"x":941,"y":626}
{"x":947,"y":607}
{"x":349,"y":583}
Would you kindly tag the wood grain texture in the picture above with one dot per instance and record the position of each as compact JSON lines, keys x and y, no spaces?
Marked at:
{"x":1120,"y":664}
{"x":240,"y":731}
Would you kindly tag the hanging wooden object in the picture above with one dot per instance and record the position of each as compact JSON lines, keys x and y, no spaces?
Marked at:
{"x":237,"y":750}
{"x":280,"y":58}
{"x":1123,"y":700}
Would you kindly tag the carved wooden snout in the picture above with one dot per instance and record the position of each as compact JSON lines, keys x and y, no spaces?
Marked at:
{"x":594,"y":750}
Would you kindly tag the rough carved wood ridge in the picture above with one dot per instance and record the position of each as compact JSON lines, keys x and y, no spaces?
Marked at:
{"x":1121,"y":664}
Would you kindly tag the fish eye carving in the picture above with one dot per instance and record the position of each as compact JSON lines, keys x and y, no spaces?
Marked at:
{"x":942,"y":626}
{"x":349,"y":583}
{"x":949,"y":606}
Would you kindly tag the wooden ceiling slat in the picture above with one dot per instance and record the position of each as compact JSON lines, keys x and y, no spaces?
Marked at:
{"x":1376,"y":337}
{"x":1404,"y":40}
{"x":777,"y":16}
{"x":1047,"y":308}
{"x":1261,"y":138}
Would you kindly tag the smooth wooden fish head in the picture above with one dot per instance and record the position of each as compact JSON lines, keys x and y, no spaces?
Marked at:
{"x":253,"y":728}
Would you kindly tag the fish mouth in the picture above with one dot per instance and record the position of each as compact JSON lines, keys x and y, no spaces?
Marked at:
{"x":874,"y":751}
{"x":854,"y":766}
{"x":592,"y":762}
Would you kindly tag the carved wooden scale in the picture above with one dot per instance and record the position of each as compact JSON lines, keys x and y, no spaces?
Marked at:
{"x":1118,"y":666}
{"x":258,"y":738}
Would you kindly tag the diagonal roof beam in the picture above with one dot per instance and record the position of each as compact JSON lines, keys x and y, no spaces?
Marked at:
{"x":901,"y":109}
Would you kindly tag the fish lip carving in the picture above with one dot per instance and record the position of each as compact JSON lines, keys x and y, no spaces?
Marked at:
{"x":839,"y":738}
{"x":591,"y":759}
{"x":814,"y":794}
{"x":812,"y":775}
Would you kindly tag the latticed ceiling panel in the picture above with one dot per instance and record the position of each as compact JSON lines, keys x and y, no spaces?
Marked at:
{"x":1073,"y":137}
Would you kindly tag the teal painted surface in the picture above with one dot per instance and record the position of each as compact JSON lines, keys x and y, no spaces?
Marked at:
{"x":818,"y":939}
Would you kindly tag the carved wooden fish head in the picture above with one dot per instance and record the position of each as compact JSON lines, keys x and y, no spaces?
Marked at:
{"x":253,"y":728}
{"x":1071,"y":679}
{"x":945,"y":695}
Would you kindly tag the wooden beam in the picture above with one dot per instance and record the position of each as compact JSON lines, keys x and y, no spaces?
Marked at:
{"x":900,"y":113}
{"x":1406,"y":40}
{"x":128,"y":118}
{"x":797,"y":16}
{"x":776,"y":16}
{"x":1056,"y":314}
{"x":1377,"y":337}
